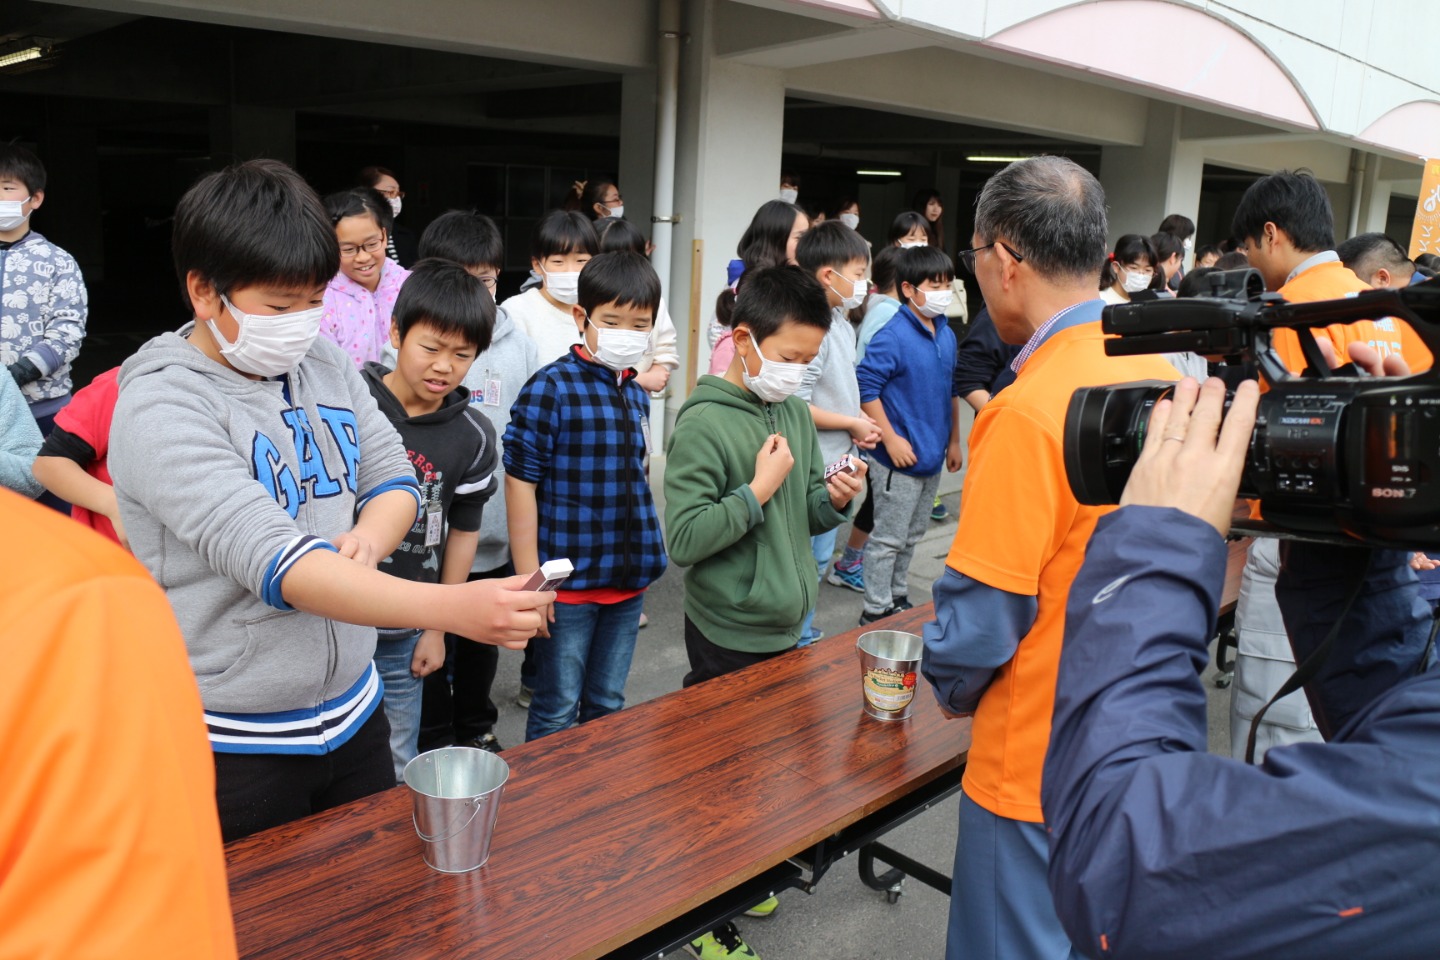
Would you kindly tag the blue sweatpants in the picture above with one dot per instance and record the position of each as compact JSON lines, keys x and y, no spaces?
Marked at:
{"x":1000,"y":907}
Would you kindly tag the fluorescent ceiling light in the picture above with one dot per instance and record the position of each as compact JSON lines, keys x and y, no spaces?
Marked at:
{"x":877,"y":173}
{"x":996,"y":159}
{"x":20,"y":56}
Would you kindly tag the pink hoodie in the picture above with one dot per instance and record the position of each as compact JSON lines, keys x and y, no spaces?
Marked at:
{"x":358,"y":320}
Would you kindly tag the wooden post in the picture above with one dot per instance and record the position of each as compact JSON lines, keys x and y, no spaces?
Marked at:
{"x":697,"y":250}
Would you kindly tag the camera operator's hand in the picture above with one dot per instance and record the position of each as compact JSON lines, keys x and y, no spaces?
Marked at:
{"x":1191,"y":461}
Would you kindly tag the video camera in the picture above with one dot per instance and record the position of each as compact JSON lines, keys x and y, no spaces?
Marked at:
{"x":1335,"y":455}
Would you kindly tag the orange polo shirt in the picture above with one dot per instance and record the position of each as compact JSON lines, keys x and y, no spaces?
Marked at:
{"x":1330,"y":281}
{"x":109,"y":837}
{"x":1022,"y":531}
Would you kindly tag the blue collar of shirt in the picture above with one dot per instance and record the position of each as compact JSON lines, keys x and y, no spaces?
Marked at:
{"x":1324,"y":256}
{"x":1086,"y":311}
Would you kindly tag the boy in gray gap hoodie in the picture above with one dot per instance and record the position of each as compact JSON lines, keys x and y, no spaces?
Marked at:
{"x":457,"y":705}
{"x":261,"y":485}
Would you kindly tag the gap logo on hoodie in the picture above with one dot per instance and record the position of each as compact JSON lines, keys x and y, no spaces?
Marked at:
{"x":318,"y":478}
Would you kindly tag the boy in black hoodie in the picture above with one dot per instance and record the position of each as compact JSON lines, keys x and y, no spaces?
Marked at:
{"x":443,"y":319}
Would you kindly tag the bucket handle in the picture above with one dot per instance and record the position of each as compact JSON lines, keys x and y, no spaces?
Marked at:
{"x":476,"y":803}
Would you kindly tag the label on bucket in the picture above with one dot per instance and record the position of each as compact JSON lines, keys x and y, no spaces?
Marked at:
{"x":889,"y":690}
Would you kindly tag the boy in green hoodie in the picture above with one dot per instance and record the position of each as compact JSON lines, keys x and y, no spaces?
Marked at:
{"x":744,"y":485}
{"x":745,"y":492}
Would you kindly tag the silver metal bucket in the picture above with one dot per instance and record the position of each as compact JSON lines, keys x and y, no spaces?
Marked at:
{"x":456,"y":795}
{"x":889,"y":665}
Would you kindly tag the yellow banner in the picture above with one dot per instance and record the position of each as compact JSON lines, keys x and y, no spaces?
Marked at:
{"x":1425,"y":237}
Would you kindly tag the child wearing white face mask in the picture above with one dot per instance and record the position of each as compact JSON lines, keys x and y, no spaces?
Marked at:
{"x":261,"y":485}
{"x":563,"y":242}
{"x":744,"y":482}
{"x":576,"y":489}
{"x":42,"y":319}
{"x":1130,"y":269}
{"x":838,"y":258}
{"x":744,"y":492}
{"x":906,"y":385}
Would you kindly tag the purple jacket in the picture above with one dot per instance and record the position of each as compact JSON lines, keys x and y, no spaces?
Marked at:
{"x":358,"y":320}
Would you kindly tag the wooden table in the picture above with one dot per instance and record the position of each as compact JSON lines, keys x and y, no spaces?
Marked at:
{"x":608,"y":830}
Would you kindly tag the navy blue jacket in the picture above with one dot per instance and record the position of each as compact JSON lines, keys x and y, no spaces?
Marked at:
{"x":1159,"y":849}
{"x":982,"y":361}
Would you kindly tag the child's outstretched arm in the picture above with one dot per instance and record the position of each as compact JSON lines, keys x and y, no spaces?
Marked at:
{"x":490,"y":611}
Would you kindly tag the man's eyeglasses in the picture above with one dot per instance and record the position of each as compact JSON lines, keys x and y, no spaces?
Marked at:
{"x":489,"y":283}
{"x":348,"y":251}
{"x":967,"y":257}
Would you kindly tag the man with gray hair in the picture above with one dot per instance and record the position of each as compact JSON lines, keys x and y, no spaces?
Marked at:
{"x":993,"y":650}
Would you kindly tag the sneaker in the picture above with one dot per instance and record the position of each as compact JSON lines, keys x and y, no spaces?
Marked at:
{"x":764,"y":908}
{"x":852,"y":577}
{"x":523,"y":700}
{"x":939,"y":511}
{"x":722,"y":943}
{"x":486,"y":741}
{"x":867,"y":618}
{"x":901,"y":604}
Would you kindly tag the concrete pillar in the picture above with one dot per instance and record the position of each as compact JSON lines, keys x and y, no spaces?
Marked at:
{"x":1369,"y":188}
{"x":732,"y":119}
{"x":637,"y":147}
{"x":1377,"y":215}
{"x":240,"y":132}
{"x":1340,"y":196}
{"x":1145,"y":184}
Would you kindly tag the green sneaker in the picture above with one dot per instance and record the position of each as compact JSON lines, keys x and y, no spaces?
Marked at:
{"x":722,"y":943}
{"x":764,"y":908}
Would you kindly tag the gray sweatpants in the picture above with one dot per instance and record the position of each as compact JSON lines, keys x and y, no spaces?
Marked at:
{"x":902,"y":514}
{"x":1264,"y":662}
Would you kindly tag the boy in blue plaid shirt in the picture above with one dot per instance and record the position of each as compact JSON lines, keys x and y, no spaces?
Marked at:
{"x":575,"y":489}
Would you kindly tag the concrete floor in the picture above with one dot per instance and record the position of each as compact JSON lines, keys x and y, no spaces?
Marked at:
{"x":843,"y":920}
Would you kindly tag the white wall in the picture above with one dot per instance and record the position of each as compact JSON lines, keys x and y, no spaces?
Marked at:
{"x":732,"y":124}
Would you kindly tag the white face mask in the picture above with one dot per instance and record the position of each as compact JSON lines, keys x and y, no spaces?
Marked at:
{"x":1135,"y":281}
{"x":12,"y":214}
{"x":619,"y":349}
{"x":851,"y":220}
{"x":1189,"y":244}
{"x":268,"y":346}
{"x":776,"y":380}
{"x":858,"y":289}
{"x":936,"y":302}
{"x":395,"y":205}
{"x":907,"y":244}
{"x":789,"y":194}
{"x":617,"y":211}
{"x":564,"y":287}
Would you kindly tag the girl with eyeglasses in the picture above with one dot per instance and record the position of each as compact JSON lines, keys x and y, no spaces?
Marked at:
{"x":360,"y":299}
{"x":1129,"y":269}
